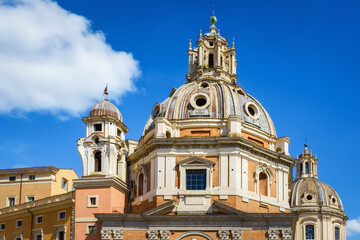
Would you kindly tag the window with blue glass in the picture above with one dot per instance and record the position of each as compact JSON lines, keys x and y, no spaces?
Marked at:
{"x":309,"y":232}
{"x":196,"y":179}
{"x":307,"y":168}
{"x":337,"y":233}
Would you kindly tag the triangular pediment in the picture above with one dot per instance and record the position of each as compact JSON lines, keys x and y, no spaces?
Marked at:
{"x":196,"y":161}
{"x":227,"y":210}
{"x":162,"y":209}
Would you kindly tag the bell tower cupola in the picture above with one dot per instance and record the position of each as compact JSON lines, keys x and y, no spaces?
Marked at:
{"x":212,"y":59}
{"x":103,"y":150}
{"x":306,"y":164}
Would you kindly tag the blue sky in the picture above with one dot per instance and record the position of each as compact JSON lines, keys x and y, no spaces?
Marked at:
{"x":300,"y":59}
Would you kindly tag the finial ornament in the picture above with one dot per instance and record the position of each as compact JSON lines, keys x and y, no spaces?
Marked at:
{"x":233,"y":44}
{"x":106,"y":93}
{"x":305,"y":145}
{"x":190,"y":47}
{"x":213,"y":20}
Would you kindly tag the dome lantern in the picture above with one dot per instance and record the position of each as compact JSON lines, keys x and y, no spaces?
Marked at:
{"x":306,"y":164}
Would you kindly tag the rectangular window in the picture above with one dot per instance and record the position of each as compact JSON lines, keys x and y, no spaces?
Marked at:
{"x":38,"y":237}
{"x":98,"y":127}
{"x":196,"y":179}
{"x":39,"y":219}
{"x":31,"y":177}
{"x":19,"y":223}
{"x":309,"y":232}
{"x":61,"y":215}
{"x":61,"y":235}
{"x":11,"y":201}
{"x":64,"y":184}
{"x":92,"y":201}
{"x":2,"y":226}
{"x":12,"y":178}
{"x":30,"y":198}
{"x":118,"y":133}
{"x":337,"y":233}
{"x":92,"y":229}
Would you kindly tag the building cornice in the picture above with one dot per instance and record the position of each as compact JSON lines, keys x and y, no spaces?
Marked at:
{"x":210,"y":142}
{"x":53,"y":201}
{"x":90,"y":181}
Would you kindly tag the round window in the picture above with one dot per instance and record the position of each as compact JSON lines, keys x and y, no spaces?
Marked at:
{"x":204,"y":85}
{"x":309,"y":197}
{"x":333,"y":200}
{"x":200,"y":101}
{"x":252,"y":110}
{"x":155,"y":111}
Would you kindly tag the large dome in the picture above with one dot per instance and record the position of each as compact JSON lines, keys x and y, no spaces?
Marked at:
{"x":312,"y":193}
{"x":105,"y":108}
{"x":212,"y":99}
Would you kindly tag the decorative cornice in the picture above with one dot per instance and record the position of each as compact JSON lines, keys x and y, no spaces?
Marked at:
{"x":210,"y":142}
{"x":101,"y":182}
{"x":38,"y":204}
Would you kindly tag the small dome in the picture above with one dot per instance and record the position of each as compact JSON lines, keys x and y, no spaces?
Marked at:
{"x":212,"y":99}
{"x":105,"y":108}
{"x":310,"y":192}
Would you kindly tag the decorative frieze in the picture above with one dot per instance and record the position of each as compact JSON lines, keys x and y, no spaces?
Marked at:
{"x":235,"y":234}
{"x":118,"y":234}
{"x":152,"y":234}
{"x":105,"y":234}
{"x":223,"y":234}
{"x":273,"y":234}
{"x":286,"y":234}
{"x":164,"y":235}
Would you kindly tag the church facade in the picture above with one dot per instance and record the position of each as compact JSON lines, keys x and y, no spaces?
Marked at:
{"x":208,"y":165}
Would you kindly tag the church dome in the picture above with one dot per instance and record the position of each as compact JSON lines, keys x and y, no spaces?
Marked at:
{"x":212,"y":100}
{"x":310,"y":193}
{"x":105,"y":108}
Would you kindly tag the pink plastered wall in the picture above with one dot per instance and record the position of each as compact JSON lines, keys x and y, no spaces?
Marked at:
{"x":110,"y":200}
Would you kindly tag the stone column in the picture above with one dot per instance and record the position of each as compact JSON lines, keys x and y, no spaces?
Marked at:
{"x":286,"y":234}
{"x":235,"y":234}
{"x":164,"y":235}
{"x":152,"y":234}
{"x":273,"y":234}
{"x":223,"y":234}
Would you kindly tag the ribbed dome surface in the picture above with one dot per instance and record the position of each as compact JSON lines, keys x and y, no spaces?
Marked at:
{"x":312,"y":192}
{"x":212,"y":99}
{"x":105,"y":108}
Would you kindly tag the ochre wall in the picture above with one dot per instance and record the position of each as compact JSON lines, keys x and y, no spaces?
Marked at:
{"x":251,"y":206}
{"x":50,"y":219}
{"x":200,"y":132}
{"x":256,"y":140}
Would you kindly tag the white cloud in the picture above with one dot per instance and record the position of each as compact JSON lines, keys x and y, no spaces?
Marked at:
{"x":51,"y":60}
{"x":353,"y":227}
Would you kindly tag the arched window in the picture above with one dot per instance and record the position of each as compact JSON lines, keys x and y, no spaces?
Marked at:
{"x":307,"y":167}
{"x":337,"y":233}
{"x":211,"y":60}
{"x":301,"y":168}
{"x":98,"y":161}
{"x":309,"y":232}
{"x":141,"y":184}
{"x":263,"y":185}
